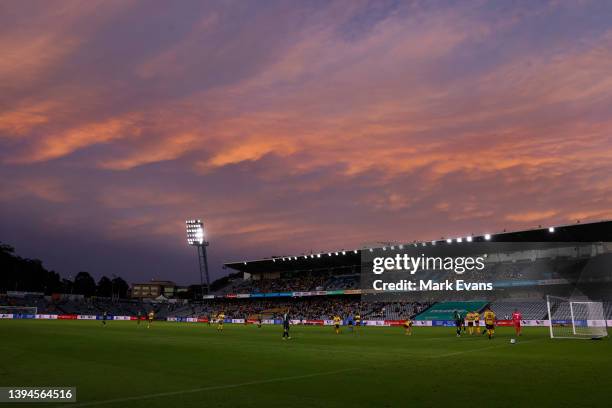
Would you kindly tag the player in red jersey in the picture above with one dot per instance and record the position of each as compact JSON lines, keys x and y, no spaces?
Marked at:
{"x":516,"y":319}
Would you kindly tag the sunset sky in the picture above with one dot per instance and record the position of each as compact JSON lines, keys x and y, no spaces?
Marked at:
{"x":294,"y":126}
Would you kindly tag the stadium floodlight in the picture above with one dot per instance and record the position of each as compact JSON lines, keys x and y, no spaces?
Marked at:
{"x":459,"y":240}
{"x":336,"y":253}
{"x":487,"y":236}
{"x":343,"y":252}
{"x":355,"y":251}
{"x":371,"y":249}
{"x":551,"y":229}
{"x":424,"y":243}
{"x":433,"y":242}
{"x":196,"y":237}
{"x":468,"y":238}
{"x":449,"y":241}
{"x":318,"y":255}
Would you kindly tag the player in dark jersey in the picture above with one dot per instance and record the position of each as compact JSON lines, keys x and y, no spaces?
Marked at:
{"x":259,"y":321}
{"x":104,"y":317}
{"x":286,"y":319}
{"x":458,"y":322}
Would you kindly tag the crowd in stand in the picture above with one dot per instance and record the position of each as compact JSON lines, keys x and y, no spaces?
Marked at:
{"x":309,"y":308}
{"x":313,"y":307}
{"x":302,"y":282}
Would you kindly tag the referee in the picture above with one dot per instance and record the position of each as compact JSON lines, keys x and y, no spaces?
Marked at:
{"x":286,"y":319}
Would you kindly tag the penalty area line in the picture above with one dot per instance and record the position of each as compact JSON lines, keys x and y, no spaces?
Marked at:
{"x":209,"y":388}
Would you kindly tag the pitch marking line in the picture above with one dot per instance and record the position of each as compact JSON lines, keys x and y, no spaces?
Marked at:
{"x":259,"y":382}
{"x":210,"y":388}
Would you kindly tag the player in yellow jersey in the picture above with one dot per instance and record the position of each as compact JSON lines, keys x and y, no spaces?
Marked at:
{"x":150,"y":319}
{"x":408,"y":327}
{"x":489,"y":318}
{"x":357,"y":322}
{"x":470,"y":322}
{"x":477,"y":322}
{"x":337,"y":321}
{"x":220,"y":321}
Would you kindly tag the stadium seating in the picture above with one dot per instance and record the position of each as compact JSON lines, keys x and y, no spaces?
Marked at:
{"x":531,"y":310}
{"x":445,"y":310}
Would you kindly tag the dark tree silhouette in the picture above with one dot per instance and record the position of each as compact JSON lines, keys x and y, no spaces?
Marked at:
{"x":84,"y":284}
{"x":29,"y":275}
{"x":120,"y":287}
{"x":105,"y":287}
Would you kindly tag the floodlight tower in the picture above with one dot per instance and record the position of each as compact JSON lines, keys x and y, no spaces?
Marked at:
{"x":195,"y":237}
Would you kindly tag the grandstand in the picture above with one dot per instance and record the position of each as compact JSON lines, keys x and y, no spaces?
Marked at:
{"x":318,"y":286}
{"x":531,"y":310}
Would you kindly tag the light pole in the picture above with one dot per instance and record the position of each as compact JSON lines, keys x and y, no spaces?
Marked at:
{"x":195,"y":237}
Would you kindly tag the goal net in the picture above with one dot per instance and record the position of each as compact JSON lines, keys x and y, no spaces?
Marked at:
{"x":575,"y":319}
{"x":18,"y":310}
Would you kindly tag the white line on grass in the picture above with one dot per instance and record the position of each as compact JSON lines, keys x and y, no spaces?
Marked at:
{"x":209,"y":388}
{"x":477,"y":350}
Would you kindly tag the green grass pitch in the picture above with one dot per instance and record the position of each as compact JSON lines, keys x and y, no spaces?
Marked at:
{"x":192,"y":365}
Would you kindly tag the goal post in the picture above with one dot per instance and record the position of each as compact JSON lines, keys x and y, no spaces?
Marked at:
{"x":575,"y":319}
{"x":18,"y":310}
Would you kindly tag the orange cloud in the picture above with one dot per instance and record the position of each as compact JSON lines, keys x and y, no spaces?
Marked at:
{"x":64,"y":143}
{"x":19,"y":122}
{"x":532,"y":216}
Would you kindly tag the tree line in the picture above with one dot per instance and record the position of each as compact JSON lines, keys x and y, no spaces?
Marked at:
{"x":29,"y":275}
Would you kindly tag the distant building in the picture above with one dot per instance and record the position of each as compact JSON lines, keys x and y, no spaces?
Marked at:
{"x":153,"y":289}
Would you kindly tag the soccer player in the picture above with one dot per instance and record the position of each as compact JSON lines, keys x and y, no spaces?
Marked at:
{"x":104,"y":317}
{"x":477,"y":322}
{"x":337,"y":321}
{"x":259,"y":321}
{"x":470,"y":322}
{"x":516,"y":319}
{"x":220,"y":321}
{"x":350,"y":324}
{"x":138,"y":318}
{"x":408,"y":327}
{"x":489,"y":317}
{"x":151,"y":317}
{"x":286,"y":319}
{"x":458,"y":322}
{"x":357,"y":321}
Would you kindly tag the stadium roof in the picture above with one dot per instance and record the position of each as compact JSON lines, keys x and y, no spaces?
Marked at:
{"x":588,"y":232}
